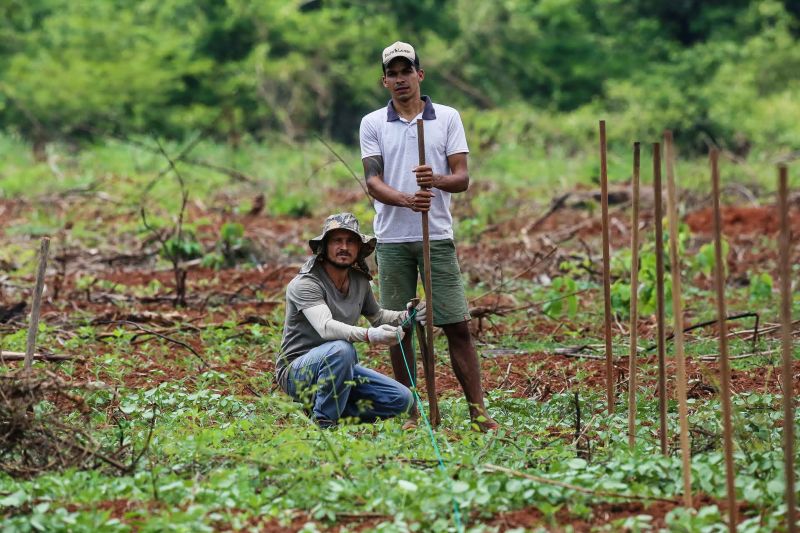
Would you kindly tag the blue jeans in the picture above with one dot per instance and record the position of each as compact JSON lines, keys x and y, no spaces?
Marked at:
{"x":330,"y":379}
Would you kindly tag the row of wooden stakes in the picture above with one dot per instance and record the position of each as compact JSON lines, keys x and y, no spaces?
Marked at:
{"x":719,"y":283}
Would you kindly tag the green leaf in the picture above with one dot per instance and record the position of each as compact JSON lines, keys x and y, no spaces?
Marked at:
{"x":577,"y":464}
{"x":460,"y":487}
{"x":406,"y":486}
{"x":514,"y":485}
{"x":14,"y":500}
{"x":776,"y":486}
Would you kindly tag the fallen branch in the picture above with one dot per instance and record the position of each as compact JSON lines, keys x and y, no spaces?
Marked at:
{"x":555,"y":205}
{"x":352,"y":172}
{"x":363,"y":515}
{"x":20,"y":356}
{"x":569,"y":352}
{"x":711,"y":323}
{"x":742,"y":356}
{"x":482,"y":311}
{"x":161,"y":336}
{"x":183,"y":158}
{"x":534,"y":265}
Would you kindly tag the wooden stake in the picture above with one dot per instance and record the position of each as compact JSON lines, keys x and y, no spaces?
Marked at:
{"x":784,"y":269}
{"x":660,"y":333}
{"x":429,"y":368}
{"x":33,"y":326}
{"x":634,"y":299}
{"x":719,"y":282}
{"x":677,"y":313}
{"x":606,"y":269}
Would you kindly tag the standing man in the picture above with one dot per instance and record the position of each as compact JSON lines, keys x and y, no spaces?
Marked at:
{"x":318,"y":364}
{"x":394,"y":178}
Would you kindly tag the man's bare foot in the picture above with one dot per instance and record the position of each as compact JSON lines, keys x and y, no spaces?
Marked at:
{"x":412,"y":422}
{"x":485,"y":424}
{"x":413,"y":419}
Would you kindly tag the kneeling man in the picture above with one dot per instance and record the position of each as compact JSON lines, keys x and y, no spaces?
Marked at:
{"x":318,"y":363}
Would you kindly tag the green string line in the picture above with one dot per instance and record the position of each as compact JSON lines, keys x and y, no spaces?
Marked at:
{"x":456,"y":512}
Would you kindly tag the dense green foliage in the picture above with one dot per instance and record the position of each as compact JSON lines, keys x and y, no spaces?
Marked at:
{"x":221,"y":458}
{"x":218,"y":461}
{"x":725,"y":72}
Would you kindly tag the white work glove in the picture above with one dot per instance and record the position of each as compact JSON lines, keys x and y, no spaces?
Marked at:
{"x":421,"y":316}
{"x":385,"y":334}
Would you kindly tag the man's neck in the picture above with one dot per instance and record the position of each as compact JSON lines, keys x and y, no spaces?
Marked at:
{"x":410,"y":108}
{"x":337,"y":275}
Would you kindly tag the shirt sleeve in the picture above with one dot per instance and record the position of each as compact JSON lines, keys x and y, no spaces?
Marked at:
{"x":305,"y":292}
{"x":456,"y":138}
{"x":368,"y":138}
{"x":319,"y":316}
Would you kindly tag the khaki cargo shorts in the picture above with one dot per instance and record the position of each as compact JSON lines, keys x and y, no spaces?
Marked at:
{"x":399,"y":268}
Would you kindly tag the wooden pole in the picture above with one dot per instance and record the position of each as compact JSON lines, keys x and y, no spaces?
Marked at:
{"x":634,"y":299}
{"x":719,"y":282}
{"x":429,"y":368}
{"x":606,"y":269}
{"x":660,"y":333}
{"x":33,"y":326}
{"x":784,"y":269}
{"x":677,"y":314}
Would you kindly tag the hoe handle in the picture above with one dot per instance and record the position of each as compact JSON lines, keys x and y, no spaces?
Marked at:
{"x":428,"y":360}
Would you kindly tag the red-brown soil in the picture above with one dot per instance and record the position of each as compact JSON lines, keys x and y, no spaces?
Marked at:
{"x":119,"y":292}
{"x":602,"y":514}
{"x":122,"y":294}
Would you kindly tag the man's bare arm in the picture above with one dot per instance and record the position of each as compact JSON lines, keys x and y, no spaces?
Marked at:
{"x":378,"y":189}
{"x":456,"y":181}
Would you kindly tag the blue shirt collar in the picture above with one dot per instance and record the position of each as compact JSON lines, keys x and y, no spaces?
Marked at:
{"x":428,"y":113}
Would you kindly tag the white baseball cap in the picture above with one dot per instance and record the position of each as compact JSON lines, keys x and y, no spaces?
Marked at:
{"x":400,"y":49}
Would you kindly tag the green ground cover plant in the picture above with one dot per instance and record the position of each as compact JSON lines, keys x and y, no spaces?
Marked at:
{"x":219,"y":448}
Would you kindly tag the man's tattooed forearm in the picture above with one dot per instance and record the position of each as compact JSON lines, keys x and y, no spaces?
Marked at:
{"x":373,"y":166}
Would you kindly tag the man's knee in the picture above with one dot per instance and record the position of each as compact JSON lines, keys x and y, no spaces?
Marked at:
{"x":341,"y":354}
{"x":400,"y":400}
{"x":406,"y":399}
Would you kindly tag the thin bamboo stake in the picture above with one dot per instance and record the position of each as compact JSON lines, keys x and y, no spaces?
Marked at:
{"x":786,"y":345}
{"x":719,"y":282}
{"x":606,"y":269}
{"x":634,"y":299}
{"x":429,"y":368}
{"x":33,"y":326}
{"x":677,"y":313}
{"x":660,"y":330}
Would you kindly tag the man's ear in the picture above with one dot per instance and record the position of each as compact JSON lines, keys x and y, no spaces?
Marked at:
{"x":421,"y":74}
{"x":383,"y":81}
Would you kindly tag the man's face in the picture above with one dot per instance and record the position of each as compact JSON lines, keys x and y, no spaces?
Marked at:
{"x":342,"y":247}
{"x":402,"y":80}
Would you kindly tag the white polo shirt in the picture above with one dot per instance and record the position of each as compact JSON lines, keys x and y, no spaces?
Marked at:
{"x":384,"y":133}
